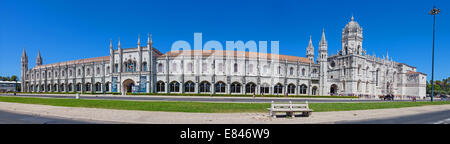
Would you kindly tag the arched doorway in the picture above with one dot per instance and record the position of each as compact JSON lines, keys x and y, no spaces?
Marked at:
{"x":128,"y":85}
{"x":314,"y":90}
{"x":333,"y":89}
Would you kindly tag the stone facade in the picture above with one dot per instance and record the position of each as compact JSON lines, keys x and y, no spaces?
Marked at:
{"x":145,"y":69}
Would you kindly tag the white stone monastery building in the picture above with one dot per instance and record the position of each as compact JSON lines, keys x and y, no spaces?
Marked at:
{"x":144,"y":69}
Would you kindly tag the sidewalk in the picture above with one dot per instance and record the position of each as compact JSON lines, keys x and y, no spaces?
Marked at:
{"x":150,"y":117}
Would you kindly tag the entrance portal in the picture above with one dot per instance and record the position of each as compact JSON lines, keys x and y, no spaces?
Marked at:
{"x":333,"y":89}
{"x":128,"y":85}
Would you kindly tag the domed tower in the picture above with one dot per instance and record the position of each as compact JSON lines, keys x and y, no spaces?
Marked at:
{"x":352,"y":38}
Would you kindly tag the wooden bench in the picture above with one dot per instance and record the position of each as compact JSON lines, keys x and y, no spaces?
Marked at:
{"x":290,"y":109}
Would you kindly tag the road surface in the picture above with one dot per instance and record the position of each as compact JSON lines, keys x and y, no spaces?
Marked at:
{"x":15,"y":118}
{"x":440,"y":117}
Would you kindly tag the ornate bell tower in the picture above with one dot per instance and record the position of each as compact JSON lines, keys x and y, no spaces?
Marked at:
{"x":23,"y":70}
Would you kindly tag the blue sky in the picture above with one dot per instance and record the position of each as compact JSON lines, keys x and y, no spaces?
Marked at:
{"x":67,"y":30}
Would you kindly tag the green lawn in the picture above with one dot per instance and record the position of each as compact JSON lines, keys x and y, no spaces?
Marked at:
{"x":194,"y":94}
{"x":204,"y":107}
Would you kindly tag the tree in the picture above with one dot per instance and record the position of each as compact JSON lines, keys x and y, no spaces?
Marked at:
{"x":437,"y":88}
{"x":13,"y":78}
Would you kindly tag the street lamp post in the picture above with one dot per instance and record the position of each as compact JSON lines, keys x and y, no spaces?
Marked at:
{"x":433,"y":12}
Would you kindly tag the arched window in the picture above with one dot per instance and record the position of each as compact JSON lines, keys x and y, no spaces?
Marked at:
{"x":376,"y":77}
{"x":235,"y":67}
{"x":278,"y":89}
{"x":160,"y":86}
{"x":174,"y":67}
{"x":359,"y":69}
{"x":220,"y":87}
{"x":98,"y":86}
{"x":303,"y":89}
{"x":204,"y":67}
{"x":108,"y":70}
{"x":250,"y":88}
{"x":189,"y":86}
{"x":69,"y":87}
{"x":98,"y":70}
{"x":205,"y":86}
{"x":291,"y":71}
{"x":107,"y":86}
{"x":358,"y":86}
{"x":303,"y":72}
{"x":367,"y":72}
{"x":279,"y":70}
{"x":266,"y":69}
{"x":70,"y":72}
{"x":314,"y":90}
{"x":88,"y":87}
{"x":220,"y":67}
{"x":55,"y":87}
{"x":79,"y":87}
{"x":79,"y":72}
{"x":236,"y":87}
{"x":190,"y":67}
{"x":130,"y":66}
{"x":88,"y":71}
{"x":62,"y":73}
{"x":174,"y":86}
{"x":291,"y":89}
{"x":264,"y":88}
{"x":144,"y":66}
{"x":160,"y":67}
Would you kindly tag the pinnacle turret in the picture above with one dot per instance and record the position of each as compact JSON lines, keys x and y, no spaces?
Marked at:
{"x":323,"y":41}
{"x":39,"y":59}
{"x":110,"y":44}
{"x":24,"y":54}
{"x":139,"y":40}
{"x":119,"y":47}
{"x":310,"y":50}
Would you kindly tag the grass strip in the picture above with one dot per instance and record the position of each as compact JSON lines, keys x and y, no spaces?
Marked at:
{"x":204,"y":107}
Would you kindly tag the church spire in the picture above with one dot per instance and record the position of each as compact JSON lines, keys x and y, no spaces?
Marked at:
{"x":353,"y":18}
